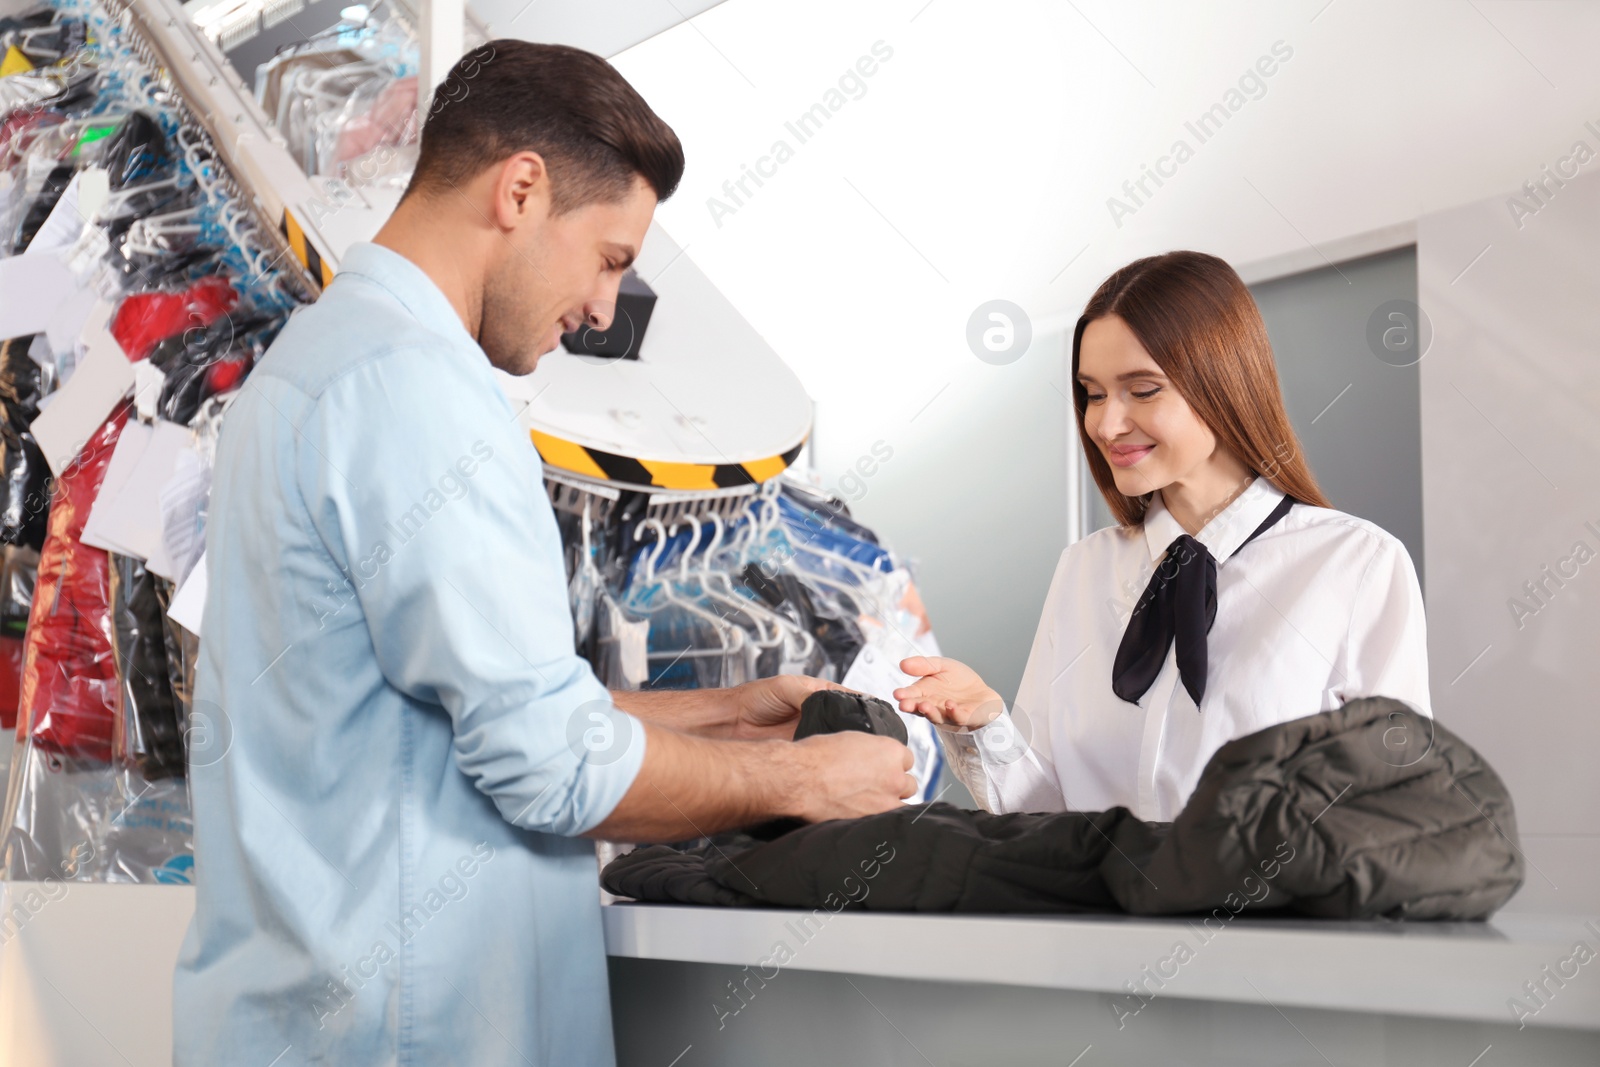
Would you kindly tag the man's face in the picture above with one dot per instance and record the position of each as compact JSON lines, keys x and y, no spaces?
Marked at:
{"x":558,"y":273}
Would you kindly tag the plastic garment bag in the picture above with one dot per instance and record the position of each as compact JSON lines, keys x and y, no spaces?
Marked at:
{"x":61,"y":789}
{"x":69,"y":679}
{"x":148,"y":732}
{"x":24,"y":495}
{"x":346,"y":102}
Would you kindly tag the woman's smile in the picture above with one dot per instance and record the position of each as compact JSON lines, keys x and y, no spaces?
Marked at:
{"x":1127,"y":455}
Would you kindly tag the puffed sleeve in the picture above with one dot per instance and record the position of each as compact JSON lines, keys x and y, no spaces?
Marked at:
{"x":1386,"y":651}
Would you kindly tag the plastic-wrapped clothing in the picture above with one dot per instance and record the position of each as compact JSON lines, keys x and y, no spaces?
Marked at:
{"x":1320,"y":816}
{"x":183,"y":652}
{"x":834,"y":512}
{"x":144,"y":320}
{"x":19,"y":569}
{"x":38,"y":210}
{"x":69,"y":676}
{"x":24,"y":493}
{"x":21,"y":126}
{"x":201,"y":363}
{"x":10,"y":685}
{"x":33,"y":89}
{"x":834,"y":627}
{"x":136,"y":152}
{"x":390,"y":119}
{"x":148,"y":734}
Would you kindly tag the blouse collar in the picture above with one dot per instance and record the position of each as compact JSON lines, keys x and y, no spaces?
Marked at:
{"x":1226,"y":531}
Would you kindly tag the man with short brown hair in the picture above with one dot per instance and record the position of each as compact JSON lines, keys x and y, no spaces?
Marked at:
{"x":391,"y":864}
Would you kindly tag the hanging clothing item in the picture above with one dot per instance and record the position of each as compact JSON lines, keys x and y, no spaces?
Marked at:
{"x":39,"y":208}
{"x":69,"y":676}
{"x":1320,"y":609}
{"x":836,"y":629}
{"x":148,"y":734}
{"x":1178,"y":608}
{"x":1320,"y":816}
{"x":136,"y":152}
{"x":144,"y":320}
{"x":25,"y":493}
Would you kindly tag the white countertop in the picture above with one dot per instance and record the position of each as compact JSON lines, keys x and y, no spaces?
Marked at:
{"x":1447,"y":970}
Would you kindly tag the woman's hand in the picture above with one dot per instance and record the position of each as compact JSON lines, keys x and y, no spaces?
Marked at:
{"x":947,"y":692}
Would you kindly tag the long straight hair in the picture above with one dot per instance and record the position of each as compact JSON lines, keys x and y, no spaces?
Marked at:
{"x":1197,"y":320}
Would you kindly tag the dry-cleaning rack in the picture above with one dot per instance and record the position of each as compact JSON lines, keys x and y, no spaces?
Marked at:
{"x":258,"y":239}
{"x":708,"y":413}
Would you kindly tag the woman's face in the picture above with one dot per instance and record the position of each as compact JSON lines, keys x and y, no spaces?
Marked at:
{"x":1144,"y":428}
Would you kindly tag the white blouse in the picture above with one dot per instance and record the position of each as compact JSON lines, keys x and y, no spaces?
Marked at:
{"x":1319,"y":609}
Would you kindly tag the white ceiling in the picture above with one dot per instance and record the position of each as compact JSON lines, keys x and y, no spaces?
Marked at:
{"x":604,"y":28}
{"x":978,"y":162}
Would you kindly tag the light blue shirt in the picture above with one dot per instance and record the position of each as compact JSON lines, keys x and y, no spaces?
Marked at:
{"x":394,"y":741}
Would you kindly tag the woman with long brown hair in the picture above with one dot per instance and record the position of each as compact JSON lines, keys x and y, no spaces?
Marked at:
{"x":1230,"y":596}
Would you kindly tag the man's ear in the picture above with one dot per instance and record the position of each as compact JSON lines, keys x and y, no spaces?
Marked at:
{"x":521,"y":191}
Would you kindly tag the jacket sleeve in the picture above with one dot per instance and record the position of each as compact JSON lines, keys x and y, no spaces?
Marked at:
{"x":439,"y":520}
{"x":1386,"y":650}
{"x":1006,"y":765}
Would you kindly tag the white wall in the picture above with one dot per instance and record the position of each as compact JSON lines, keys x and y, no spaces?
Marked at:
{"x":978,"y":164}
{"x":1510,"y":455}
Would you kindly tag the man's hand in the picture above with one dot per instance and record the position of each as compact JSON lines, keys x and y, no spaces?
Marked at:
{"x":947,"y":692}
{"x":769,"y":708}
{"x":766,"y":709}
{"x":849,"y":774}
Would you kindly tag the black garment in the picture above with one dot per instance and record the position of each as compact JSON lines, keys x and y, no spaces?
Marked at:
{"x":1367,"y":811}
{"x":136,"y":152}
{"x":149,"y":734}
{"x":830,"y":711}
{"x":831,"y":624}
{"x":1179,"y":604}
{"x":55,"y":183}
{"x":24,"y":475}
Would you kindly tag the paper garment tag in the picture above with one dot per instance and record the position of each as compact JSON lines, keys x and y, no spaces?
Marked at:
{"x":132,"y":518}
{"x":183,"y":512}
{"x":31,"y":289}
{"x":130,"y":447}
{"x":189,"y":602}
{"x":148,"y":381}
{"x":102,"y":378}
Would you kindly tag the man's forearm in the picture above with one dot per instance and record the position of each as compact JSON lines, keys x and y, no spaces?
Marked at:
{"x":706,"y":712}
{"x":693,"y":786}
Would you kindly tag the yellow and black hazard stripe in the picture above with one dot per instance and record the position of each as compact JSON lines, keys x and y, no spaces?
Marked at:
{"x":305,"y":251}
{"x":607,"y":466}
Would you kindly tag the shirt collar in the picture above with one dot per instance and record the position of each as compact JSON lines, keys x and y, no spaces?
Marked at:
{"x":409,"y":284}
{"x":1226,"y":531}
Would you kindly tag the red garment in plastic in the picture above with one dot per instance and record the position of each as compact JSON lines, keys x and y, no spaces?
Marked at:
{"x":144,"y":320}
{"x":19,"y":130}
{"x":69,"y":667}
{"x":10,"y":681}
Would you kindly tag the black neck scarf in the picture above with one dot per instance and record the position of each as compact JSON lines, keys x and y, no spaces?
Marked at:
{"x":1179,"y":604}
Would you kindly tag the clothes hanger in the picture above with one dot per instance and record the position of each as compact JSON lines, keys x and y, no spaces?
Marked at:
{"x":765,"y":636}
{"x":783,"y":627}
{"x":731,"y":638}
